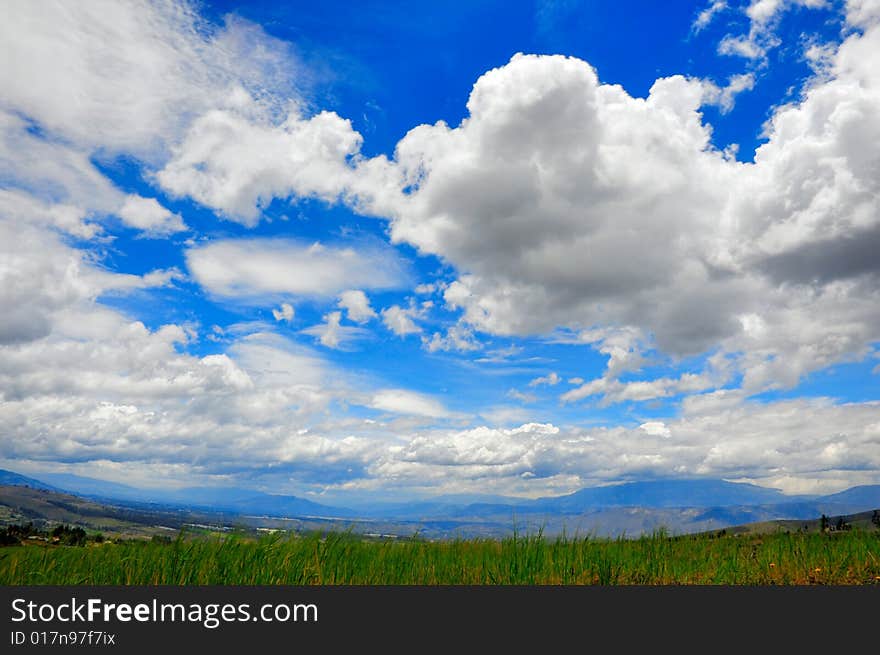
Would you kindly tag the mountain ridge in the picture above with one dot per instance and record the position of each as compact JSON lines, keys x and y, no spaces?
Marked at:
{"x":697,"y":493}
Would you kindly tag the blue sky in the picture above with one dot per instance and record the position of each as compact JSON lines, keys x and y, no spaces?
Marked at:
{"x":397,"y":249}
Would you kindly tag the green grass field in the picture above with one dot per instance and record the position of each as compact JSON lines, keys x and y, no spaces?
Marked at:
{"x":788,"y":559}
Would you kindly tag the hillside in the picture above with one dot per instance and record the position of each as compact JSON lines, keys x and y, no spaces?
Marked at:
{"x":869,"y":521}
{"x":45,"y":508}
{"x":12,"y":479}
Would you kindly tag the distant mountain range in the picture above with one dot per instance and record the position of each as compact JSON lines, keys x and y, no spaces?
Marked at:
{"x":866,"y":495}
{"x":11,"y":479}
{"x":226,"y":499}
{"x":679,"y":505}
{"x":664,"y":493}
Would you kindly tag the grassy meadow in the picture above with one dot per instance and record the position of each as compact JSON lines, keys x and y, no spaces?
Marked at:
{"x":845,"y":558}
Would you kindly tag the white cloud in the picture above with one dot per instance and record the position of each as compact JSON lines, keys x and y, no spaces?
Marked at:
{"x":545,"y":200}
{"x":107,"y":79}
{"x":42,"y":277}
{"x":743,"y":46}
{"x":458,"y":337}
{"x":275,"y":362}
{"x":98,"y":387}
{"x":237,"y":165}
{"x":402,"y":401}
{"x":533,"y":200}
{"x":328,"y":333}
{"x":623,"y":345}
{"x":707,"y":15}
{"x":656,"y":429}
{"x":788,"y":444}
{"x":400,"y":320}
{"x":139,"y":71}
{"x":505,"y":415}
{"x":284,"y":313}
{"x":862,"y":13}
{"x":535,"y":195}
{"x":148,"y":215}
{"x":333,"y":335}
{"x":233,"y":375}
{"x":254,"y":269}
{"x":483,"y":447}
{"x":725,"y":97}
{"x":516,"y":394}
{"x":614,"y":391}
{"x":356,"y":305}
{"x":762,"y":11}
{"x":111,"y":390}
{"x":21,"y":207}
{"x":764,"y":16}
{"x":551,"y":380}
{"x":52,"y":171}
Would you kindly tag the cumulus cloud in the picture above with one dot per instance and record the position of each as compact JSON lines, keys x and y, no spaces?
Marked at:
{"x":532,"y":201}
{"x":23,"y":208}
{"x":356,"y":305}
{"x":97,"y":387}
{"x":533,"y":198}
{"x":254,"y":269}
{"x":42,"y":277}
{"x":236,"y":165}
{"x":110,"y":79}
{"x":328,"y":333}
{"x":458,"y":337}
{"x":148,"y":215}
{"x":799,"y":446}
{"x":543,"y":200}
{"x":400,"y":320}
{"x":284,"y":313}
{"x":744,"y":46}
{"x":862,"y":13}
{"x":244,"y":410}
{"x":761,"y":12}
{"x":656,"y":429}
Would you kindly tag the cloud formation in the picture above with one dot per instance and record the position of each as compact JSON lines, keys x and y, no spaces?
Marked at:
{"x":285,"y":313}
{"x":707,"y":15}
{"x":800,"y":446}
{"x":251,"y":270}
{"x":356,"y":305}
{"x":237,"y":165}
{"x":148,"y":215}
{"x":561,"y":207}
{"x":400,"y":320}
{"x":403,"y":401}
{"x":535,"y":195}
{"x":105,"y":54}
